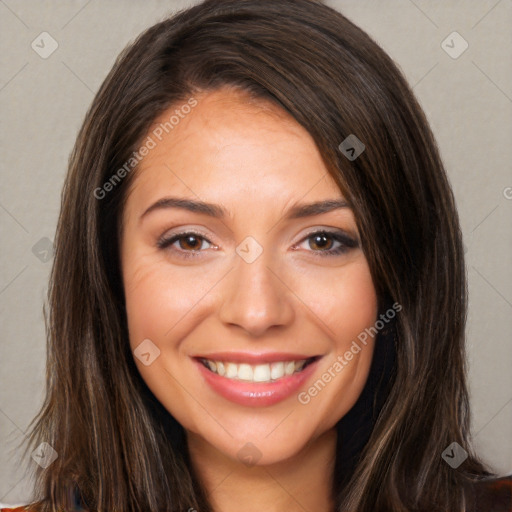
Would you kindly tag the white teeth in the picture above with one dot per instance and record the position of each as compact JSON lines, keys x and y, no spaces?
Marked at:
{"x":231,"y":371}
{"x":255,"y":373}
{"x":289,"y":367}
{"x":261,"y":373}
{"x":277,"y":370}
{"x":220,"y":369}
{"x":245,"y":372}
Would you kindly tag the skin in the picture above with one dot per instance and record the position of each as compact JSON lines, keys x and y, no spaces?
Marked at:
{"x":256,"y":161}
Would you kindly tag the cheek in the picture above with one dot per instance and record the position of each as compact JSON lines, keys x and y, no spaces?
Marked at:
{"x":355,"y":307}
{"x":158,"y":299}
{"x":343,"y":301}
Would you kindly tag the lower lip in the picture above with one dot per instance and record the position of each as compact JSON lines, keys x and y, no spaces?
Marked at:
{"x":256,"y":394}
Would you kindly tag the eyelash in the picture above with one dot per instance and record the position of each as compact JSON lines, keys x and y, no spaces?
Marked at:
{"x":347,"y":243}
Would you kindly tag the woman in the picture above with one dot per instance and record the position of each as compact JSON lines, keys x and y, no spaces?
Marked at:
{"x":258,"y":296}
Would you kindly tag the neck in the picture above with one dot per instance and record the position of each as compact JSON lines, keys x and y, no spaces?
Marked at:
{"x":303,"y":482}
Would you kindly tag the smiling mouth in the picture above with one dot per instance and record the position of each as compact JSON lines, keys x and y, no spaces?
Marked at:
{"x":267,"y":372}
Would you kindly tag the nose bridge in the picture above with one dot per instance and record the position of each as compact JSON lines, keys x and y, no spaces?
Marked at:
{"x":255,"y":297}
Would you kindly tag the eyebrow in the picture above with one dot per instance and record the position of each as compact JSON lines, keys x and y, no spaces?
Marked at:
{"x":216,"y":211}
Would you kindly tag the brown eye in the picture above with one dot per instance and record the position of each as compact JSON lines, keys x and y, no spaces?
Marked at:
{"x":321,"y":241}
{"x":189,"y":244}
{"x":326,"y":243}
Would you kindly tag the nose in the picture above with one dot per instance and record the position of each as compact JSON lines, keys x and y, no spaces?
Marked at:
{"x":256,"y":297}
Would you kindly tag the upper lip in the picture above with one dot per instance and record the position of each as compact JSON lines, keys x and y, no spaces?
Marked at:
{"x":254,"y":358}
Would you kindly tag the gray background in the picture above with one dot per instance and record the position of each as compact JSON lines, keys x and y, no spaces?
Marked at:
{"x":43,"y":101}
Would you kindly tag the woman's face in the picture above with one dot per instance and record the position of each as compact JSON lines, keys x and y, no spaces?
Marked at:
{"x":255,"y":285}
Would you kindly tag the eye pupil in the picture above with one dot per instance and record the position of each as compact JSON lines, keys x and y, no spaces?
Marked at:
{"x":189,"y":240}
{"x":320,"y":240}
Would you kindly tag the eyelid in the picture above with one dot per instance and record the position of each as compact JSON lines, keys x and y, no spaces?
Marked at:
{"x":334,"y":232}
{"x":347,"y":241}
{"x":168,"y":239}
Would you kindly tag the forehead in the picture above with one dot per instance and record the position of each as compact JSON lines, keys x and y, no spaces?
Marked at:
{"x":230,"y":148}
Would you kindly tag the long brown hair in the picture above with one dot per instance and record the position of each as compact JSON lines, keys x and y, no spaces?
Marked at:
{"x":117,"y":447}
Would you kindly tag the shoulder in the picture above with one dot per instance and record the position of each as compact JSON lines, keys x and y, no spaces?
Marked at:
{"x":494,"y":494}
